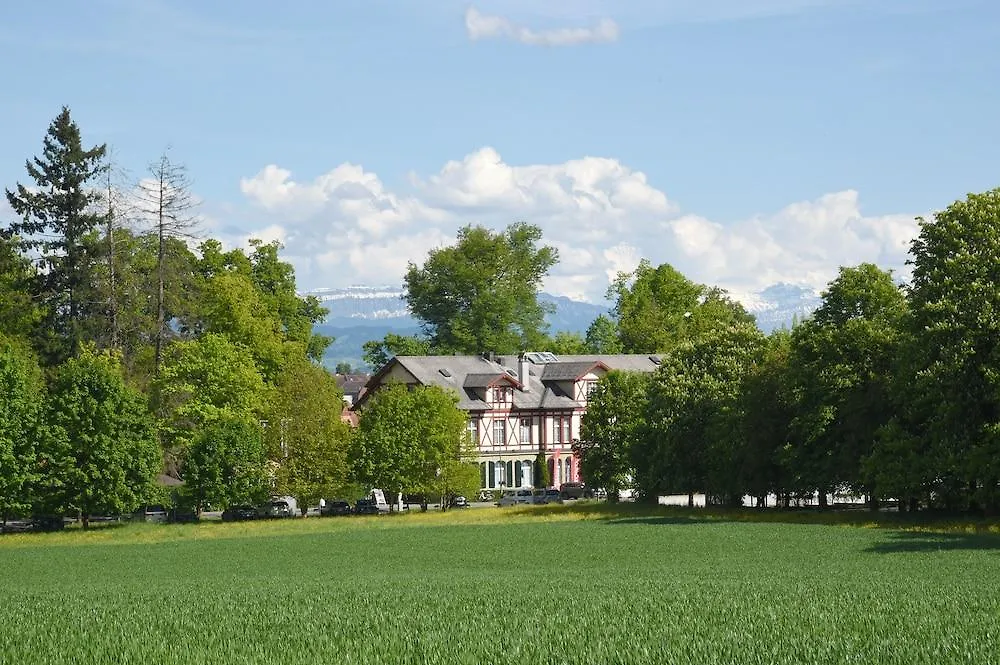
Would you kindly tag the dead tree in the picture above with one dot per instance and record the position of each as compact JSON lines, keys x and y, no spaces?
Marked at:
{"x":165,"y":200}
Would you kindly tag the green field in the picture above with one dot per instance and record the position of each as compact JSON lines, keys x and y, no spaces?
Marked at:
{"x":487,"y":586}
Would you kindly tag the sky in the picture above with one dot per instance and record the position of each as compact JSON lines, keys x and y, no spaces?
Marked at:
{"x":745,"y":142}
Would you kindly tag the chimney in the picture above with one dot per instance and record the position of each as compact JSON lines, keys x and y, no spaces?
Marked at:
{"x":522,"y":373}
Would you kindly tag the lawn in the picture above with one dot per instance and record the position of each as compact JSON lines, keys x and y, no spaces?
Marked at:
{"x":489,"y":586}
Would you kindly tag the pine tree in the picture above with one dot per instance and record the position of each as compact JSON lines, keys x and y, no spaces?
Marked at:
{"x":60,"y":221}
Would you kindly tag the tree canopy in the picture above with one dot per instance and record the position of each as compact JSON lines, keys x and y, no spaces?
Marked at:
{"x":482,"y":293}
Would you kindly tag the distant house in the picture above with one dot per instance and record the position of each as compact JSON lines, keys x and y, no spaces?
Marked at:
{"x":351,"y":385}
{"x":517,"y":406}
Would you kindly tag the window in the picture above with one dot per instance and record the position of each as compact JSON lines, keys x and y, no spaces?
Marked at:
{"x":561,"y":429}
{"x":525,"y":431}
{"x":499,"y":432}
{"x":501,"y":395}
{"x":588,"y":388}
{"x":473,"y":429}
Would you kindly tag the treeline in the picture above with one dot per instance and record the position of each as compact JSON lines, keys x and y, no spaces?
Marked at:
{"x":131,"y":348}
{"x":887,"y":391}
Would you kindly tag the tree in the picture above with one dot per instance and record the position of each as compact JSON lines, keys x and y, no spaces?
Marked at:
{"x":21,"y":398}
{"x":603,"y":336}
{"x":565,"y":343}
{"x":165,"y":200}
{"x":685,"y":445}
{"x":306,"y":438}
{"x":102,"y":455}
{"x":252,"y":301}
{"x":843,"y":359}
{"x":482,"y":294}
{"x":378,"y":353}
{"x":652,"y":306}
{"x":762,"y":418}
{"x":541,"y":473}
{"x":343,"y":368}
{"x":406,"y":436}
{"x":614,"y":416}
{"x":948,"y":395}
{"x":59,"y":221}
{"x":202,"y":381}
{"x":19,"y":315}
{"x":225,"y":464}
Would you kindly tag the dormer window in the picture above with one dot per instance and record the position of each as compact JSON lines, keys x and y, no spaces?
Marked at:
{"x":502,"y":395}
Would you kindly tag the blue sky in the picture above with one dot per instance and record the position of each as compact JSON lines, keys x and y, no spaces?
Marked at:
{"x":745,"y":141}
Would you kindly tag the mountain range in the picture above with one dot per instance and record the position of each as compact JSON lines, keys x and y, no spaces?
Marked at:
{"x":361,"y":313}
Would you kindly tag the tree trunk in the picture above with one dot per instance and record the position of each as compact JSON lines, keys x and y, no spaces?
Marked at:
{"x":690,"y":499}
{"x":823,"y":503}
{"x":160,"y":254}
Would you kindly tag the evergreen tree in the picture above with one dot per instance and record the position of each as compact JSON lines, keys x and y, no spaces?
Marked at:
{"x":59,"y":219}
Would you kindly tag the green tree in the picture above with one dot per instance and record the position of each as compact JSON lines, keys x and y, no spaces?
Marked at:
{"x":652,"y":306}
{"x":482,"y":294}
{"x":614,"y":415}
{"x":21,"y":397}
{"x":948,"y":396}
{"x":59,"y":221}
{"x":565,"y":343}
{"x":102,"y":448}
{"x":19,"y":315}
{"x":226,"y":465}
{"x":762,"y":416}
{"x":843,"y":359}
{"x":603,"y":336}
{"x":305,"y":435}
{"x":343,"y":368}
{"x":541,"y":474}
{"x":406,"y":436}
{"x":685,"y":444}
{"x":378,"y":352}
{"x":202,"y":381}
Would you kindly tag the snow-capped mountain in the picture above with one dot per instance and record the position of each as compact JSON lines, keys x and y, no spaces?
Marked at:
{"x":362,"y":313}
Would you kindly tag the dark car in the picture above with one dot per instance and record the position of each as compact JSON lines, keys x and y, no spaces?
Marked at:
{"x":366,"y":507}
{"x":239,"y":513}
{"x":575,"y":491}
{"x":335,"y":508}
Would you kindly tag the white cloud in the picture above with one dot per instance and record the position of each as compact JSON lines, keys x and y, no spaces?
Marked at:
{"x":346,"y":227}
{"x":486,"y":26}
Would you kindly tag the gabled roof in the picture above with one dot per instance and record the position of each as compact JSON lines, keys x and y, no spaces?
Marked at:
{"x":488,"y":380}
{"x":466,"y":375}
{"x":570,"y":371}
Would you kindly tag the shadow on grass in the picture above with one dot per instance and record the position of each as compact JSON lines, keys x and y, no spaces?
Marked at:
{"x":922,"y":541}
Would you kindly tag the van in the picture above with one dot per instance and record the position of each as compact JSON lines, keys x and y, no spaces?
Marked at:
{"x":521,"y":497}
{"x":150,"y":513}
{"x":282,"y":506}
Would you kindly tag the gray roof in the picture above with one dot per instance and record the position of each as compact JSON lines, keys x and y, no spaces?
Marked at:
{"x":464,"y":374}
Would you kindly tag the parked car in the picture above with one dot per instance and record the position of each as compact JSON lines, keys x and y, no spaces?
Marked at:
{"x":459,"y":502}
{"x":180,"y":515}
{"x":542,"y":496}
{"x":335,"y":508}
{"x":239,"y":513}
{"x":276,"y":509}
{"x":575,"y":491}
{"x":150,"y":513}
{"x":515,"y":498}
{"x":366,"y":507}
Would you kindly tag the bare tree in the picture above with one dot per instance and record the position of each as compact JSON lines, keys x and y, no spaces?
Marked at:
{"x":116,"y":218}
{"x":165,"y":199}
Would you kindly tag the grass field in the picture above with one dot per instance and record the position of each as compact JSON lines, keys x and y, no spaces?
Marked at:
{"x":488,"y":586}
